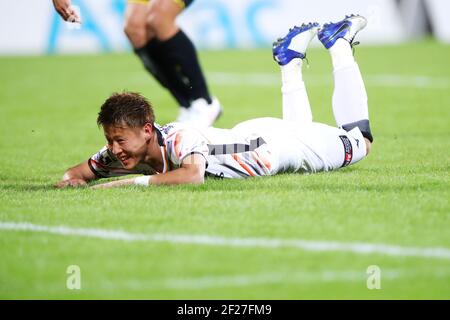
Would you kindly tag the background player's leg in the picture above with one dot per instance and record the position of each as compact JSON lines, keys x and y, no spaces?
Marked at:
{"x":171,"y":57}
{"x":146,"y":47}
{"x":289,"y":52}
{"x":350,"y":106}
{"x":179,"y":55}
{"x":181,"y":65}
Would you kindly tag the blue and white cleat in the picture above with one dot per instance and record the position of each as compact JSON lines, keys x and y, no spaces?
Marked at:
{"x":294,"y":44}
{"x":345,"y":29}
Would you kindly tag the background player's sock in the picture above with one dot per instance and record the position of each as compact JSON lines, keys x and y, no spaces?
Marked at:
{"x":148,"y":55}
{"x":295,"y":98}
{"x":350,"y":105}
{"x":151,"y":57}
{"x":180,"y":62}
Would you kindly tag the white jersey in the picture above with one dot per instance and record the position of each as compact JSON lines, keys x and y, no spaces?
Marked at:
{"x":258,"y":147}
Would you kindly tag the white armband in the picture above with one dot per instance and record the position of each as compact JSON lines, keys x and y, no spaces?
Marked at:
{"x":142,"y":180}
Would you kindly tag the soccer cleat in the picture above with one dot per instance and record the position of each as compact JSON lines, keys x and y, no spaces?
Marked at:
{"x":345,"y":29}
{"x":184,"y":115}
{"x":204,"y":114}
{"x":294,"y":44}
{"x":200,"y":113}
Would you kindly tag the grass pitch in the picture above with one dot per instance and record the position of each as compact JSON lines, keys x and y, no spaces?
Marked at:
{"x":398,"y":196}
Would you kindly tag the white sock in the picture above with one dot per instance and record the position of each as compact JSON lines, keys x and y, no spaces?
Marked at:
{"x":349,"y":96}
{"x":295,"y":98}
{"x":341,"y":54}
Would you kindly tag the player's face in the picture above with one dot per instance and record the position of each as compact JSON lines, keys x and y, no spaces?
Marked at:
{"x":129,"y":145}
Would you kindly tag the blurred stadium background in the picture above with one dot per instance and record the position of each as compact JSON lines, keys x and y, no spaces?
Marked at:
{"x":315,"y":235}
{"x":214,"y":24}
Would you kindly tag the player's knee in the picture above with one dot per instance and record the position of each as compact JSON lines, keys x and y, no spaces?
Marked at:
{"x":161,"y":24}
{"x":136,"y":33}
{"x":157,"y":21}
{"x":364,"y":128}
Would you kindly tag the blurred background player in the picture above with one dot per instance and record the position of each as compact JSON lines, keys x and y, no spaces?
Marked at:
{"x":166,"y":52}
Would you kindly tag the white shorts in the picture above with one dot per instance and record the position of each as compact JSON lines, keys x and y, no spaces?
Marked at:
{"x":290,"y":147}
{"x":320,"y":147}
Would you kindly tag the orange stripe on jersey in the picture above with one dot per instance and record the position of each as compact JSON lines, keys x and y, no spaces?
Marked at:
{"x":242,"y":164}
{"x":256,"y":158}
{"x":264,"y":160}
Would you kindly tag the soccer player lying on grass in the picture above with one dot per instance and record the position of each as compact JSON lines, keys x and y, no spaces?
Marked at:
{"x":179,"y":154}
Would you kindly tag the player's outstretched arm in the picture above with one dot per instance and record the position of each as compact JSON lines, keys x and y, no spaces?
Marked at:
{"x":192,"y":171}
{"x":66,"y":11}
{"x":77,"y":176}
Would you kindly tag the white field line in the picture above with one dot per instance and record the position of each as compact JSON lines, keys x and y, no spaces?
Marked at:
{"x":266,"y":243}
{"x":377,"y":80}
{"x":270,"y":278}
{"x":244,"y":280}
{"x":288,"y":277}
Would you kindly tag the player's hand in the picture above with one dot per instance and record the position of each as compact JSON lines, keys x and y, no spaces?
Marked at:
{"x":71,"y":183}
{"x":65,"y":10}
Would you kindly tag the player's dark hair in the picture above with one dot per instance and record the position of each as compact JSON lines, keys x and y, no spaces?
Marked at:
{"x":126,"y":108}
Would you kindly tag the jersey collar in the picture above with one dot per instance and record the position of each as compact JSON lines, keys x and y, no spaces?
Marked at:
{"x":159,"y":134}
{"x":162,"y":147}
